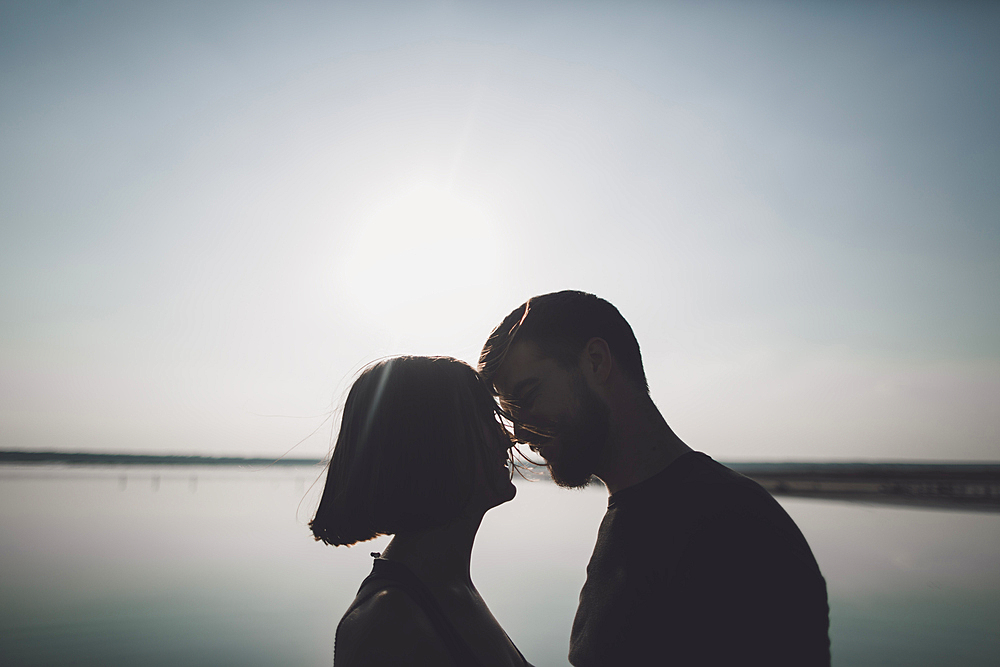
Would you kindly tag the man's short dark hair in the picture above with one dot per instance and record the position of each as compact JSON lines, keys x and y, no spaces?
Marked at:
{"x":413,"y":442}
{"x":560,"y":324}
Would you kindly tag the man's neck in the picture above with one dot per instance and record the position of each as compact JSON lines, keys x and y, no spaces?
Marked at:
{"x":642,"y":445}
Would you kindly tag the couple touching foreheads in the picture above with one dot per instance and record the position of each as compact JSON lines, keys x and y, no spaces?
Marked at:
{"x":694,"y":563}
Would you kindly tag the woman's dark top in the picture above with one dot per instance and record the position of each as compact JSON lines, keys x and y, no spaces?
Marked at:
{"x":390,"y":574}
{"x":699,"y":565}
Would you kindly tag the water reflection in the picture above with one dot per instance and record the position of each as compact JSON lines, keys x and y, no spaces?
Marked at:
{"x":216,"y":566}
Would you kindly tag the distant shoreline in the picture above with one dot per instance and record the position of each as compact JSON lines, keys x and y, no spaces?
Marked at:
{"x":965,"y":486}
{"x":962,"y":486}
{"x":789,"y":469}
{"x":93,"y":458}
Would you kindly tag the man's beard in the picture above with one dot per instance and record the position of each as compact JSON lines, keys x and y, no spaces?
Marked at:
{"x":583,"y":441}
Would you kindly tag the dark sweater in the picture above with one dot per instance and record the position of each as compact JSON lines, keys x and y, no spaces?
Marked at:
{"x":699,"y":565}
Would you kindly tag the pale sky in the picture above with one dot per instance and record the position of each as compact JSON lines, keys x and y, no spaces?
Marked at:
{"x":214,"y":214}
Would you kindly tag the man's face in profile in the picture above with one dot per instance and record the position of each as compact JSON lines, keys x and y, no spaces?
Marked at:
{"x":555,"y":412}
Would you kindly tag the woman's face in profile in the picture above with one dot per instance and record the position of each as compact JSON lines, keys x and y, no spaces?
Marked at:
{"x":495,"y":485}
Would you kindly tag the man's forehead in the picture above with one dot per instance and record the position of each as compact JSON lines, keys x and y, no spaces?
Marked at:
{"x":522,"y":362}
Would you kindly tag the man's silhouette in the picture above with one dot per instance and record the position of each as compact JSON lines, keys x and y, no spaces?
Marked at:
{"x":694,"y":563}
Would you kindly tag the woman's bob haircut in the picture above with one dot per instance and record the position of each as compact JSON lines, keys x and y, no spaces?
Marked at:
{"x":414,"y":441}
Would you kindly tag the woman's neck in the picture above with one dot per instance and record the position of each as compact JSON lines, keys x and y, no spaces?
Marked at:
{"x":438,"y":556}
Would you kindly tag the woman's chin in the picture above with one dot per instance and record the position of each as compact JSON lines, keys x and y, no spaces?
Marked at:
{"x":513,"y":492}
{"x":506,"y":495}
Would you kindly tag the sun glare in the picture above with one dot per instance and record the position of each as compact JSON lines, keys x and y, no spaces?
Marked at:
{"x":423,"y":247}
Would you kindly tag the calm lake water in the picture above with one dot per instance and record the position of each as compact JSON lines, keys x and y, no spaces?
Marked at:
{"x":214,"y":566}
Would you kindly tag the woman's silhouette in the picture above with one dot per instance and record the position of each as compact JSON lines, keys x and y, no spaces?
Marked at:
{"x":421,"y":455}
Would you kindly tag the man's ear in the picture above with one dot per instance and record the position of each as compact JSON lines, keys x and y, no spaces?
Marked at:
{"x":596,"y":360}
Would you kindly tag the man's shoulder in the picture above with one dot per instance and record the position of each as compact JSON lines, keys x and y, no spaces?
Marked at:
{"x":699,"y":492}
{"x":715,"y":478}
{"x":696,"y":480}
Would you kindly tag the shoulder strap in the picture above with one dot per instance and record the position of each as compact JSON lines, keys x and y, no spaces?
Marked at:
{"x":386,"y":574}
